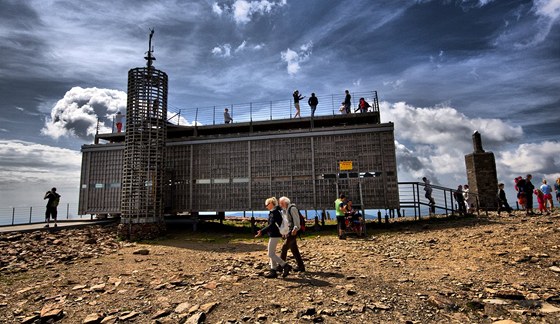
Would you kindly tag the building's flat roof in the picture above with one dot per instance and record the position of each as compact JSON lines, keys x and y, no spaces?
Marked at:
{"x":252,"y":128}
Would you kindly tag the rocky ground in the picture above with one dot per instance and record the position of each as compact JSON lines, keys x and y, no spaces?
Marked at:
{"x":457,"y":270}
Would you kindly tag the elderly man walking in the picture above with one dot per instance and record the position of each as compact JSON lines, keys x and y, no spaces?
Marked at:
{"x":292,"y":214}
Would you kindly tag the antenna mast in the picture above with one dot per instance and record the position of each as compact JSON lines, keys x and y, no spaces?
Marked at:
{"x":149,"y":57}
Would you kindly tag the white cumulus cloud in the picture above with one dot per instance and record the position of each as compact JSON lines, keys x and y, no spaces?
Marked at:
{"x":294,"y":58}
{"x":433,"y":141}
{"x":76,"y":114}
{"x":543,"y":158}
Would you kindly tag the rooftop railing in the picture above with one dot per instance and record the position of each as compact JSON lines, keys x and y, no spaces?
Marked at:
{"x":268,"y":110}
{"x":261,"y":110}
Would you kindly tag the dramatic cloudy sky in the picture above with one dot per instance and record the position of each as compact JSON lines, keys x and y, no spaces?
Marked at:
{"x":442,"y":69}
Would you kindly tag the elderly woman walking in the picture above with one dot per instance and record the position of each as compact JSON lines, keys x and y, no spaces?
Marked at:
{"x":273,"y":230}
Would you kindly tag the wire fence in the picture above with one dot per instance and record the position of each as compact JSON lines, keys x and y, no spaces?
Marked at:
{"x":411,"y":196}
{"x":329,"y":105}
{"x":268,"y":110}
{"x":35,"y":214}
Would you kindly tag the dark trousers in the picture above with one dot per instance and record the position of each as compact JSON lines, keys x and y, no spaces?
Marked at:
{"x":503,"y":205}
{"x":50,"y":212}
{"x":291,"y":244}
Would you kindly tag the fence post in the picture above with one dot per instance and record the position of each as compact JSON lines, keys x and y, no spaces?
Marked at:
{"x":196,"y":117}
{"x":271,"y":110}
{"x":290,"y":109}
{"x":13,"y":214}
{"x":67,"y":210}
{"x":251,"y":111}
{"x":30,"y":211}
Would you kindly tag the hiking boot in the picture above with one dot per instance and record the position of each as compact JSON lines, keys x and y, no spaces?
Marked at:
{"x":47,"y":225}
{"x":271,"y":274}
{"x":286,"y":270}
{"x":298,"y":269}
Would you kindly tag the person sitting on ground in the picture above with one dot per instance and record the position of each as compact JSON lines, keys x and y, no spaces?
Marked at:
{"x":502,"y":201}
{"x":273,"y":230}
{"x":363,"y":106}
{"x":354,"y":217}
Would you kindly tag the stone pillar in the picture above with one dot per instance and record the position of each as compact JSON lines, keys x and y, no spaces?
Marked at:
{"x":482,"y":175}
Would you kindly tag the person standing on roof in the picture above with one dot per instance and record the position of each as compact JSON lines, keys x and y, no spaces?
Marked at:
{"x":297,"y":98}
{"x":313,"y":102}
{"x":118,"y":121}
{"x":227,"y":117}
{"x":347,"y":101}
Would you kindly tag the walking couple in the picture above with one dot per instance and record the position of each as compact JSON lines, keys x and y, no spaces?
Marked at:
{"x":278,"y":264}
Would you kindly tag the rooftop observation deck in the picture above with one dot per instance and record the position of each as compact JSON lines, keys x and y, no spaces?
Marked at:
{"x":261,"y":117}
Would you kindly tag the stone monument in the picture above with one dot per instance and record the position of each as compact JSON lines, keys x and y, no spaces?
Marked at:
{"x":481,"y":174}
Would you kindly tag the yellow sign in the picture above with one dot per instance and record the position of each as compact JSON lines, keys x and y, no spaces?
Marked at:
{"x":345,"y":165}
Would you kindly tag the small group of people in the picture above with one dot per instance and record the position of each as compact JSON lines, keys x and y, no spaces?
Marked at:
{"x":347,"y":215}
{"x":345,"y":108}
{"x":465,"y":201}
{"x":312,"y":102}
{"x":278,"y":209}
{"x":525,"y":190}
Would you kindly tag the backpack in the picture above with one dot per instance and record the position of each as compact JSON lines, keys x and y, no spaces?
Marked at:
{"x":56,"y":201}
{"x":284,"y":228}
{"x":301,"y":219}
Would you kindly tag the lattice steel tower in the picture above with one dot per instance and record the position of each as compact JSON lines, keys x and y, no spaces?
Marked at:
{"x":143,"y":169}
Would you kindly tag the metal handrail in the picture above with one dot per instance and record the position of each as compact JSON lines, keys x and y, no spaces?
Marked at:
{"x":267,"y":110}
{"x":443,"y":196}
{"x":35,"y":214}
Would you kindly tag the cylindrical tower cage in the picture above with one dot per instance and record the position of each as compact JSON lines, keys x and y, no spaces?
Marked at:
{"x":143,"y":169}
